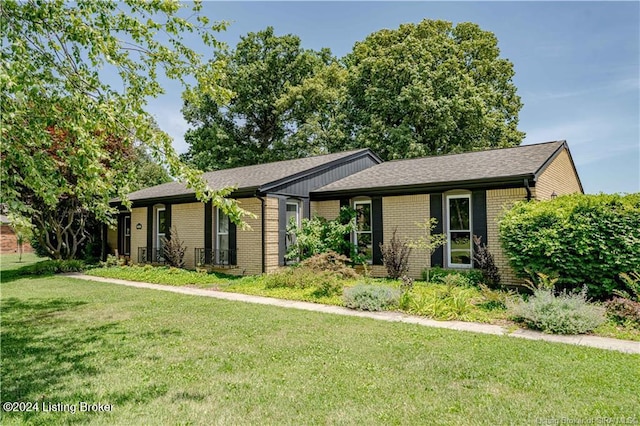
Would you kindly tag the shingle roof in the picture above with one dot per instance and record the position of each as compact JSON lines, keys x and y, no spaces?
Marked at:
{"x":481,"y":165}
{"x":245,"y":178}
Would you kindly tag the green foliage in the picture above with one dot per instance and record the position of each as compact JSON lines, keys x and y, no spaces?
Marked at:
{"x":68,"y":132}
{"x":475,"y":277}
{"x":113,"y":261}
{"x":254,"y":125}
{"x":56,"y":266}
{"x":624,"y":311}
{"x":583,"y":239}
{"x":558,"y":314}
{"x":174,"y":249}
{"x":330,"y":261}
{"x":395,"y":256}
{"x":428,"y":241}
{"x":447,"y":302}
{"x":483,"y":260}
{"x":632,"y":281}
{"x":22,"y":229}
{"x":540,"y":281}
{"x":366,"y":297}
{"x":494,"y":299}
{"x":319,"y":235}
{"x":148,"y":172}
{"x":431,"y":88}
{"x":325,"y":283}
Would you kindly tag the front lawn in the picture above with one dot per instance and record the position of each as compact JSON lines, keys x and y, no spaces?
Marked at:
{"x":163,"y":358}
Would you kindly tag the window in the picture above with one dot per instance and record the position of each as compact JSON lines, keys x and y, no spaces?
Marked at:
{"x":363,"y":237}
{"x":459,"y":252}
{"x":222,"y":238}
{"x":126,"y":247}
{"x":292,"y":215}
{"x":161,"y":227}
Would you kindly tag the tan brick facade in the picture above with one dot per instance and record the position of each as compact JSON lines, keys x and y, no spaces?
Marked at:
{"x":188,"y":220}
{"x":329,"y":209}
{"x":497,"y":201}
{"x":559,"y":177}
{"x":249,"y":242}
{"x":112,"y":240}
{"x":271,"y":234}
{"x":138,"y":236}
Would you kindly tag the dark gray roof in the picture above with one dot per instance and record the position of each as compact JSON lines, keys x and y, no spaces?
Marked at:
{"x":248,"y":177}
{"x":495,"y":164}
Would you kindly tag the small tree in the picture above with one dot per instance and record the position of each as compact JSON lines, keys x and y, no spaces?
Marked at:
{"x":22,"y":228}
{"x":173,"y":249}
{"x":429,"y":241}
{"x":483,"y":260}
{"x":395,"y":256}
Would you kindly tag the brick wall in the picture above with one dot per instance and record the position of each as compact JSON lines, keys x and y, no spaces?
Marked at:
{"x":138,"y":236}
{"x":188,"y":220}
{"x":329,"y":209}
{"x":112,"y":240}
{"x":404,"y":213}
{"x":272,"y":256}
{"x":9,"y":242}
{"x":559,"y":177}
{"x":497,"y":201}
{"x":249,"y":242}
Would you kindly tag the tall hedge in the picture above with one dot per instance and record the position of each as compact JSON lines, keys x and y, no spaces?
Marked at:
{"x":583,"y":239}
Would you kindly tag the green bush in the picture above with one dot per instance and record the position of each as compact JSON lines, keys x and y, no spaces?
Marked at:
{"x":325,"y":283}
{"x":582,"y":239}
{"x":558,"y":314}
{"x":445,"y":303}
{"x":332,"y":262}
{"x":475,"y":277}
{"x":48,"y":267}
{"x":366,"y":297}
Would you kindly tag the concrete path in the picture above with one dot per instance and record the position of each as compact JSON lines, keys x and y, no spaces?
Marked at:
{"x":582,"y":340}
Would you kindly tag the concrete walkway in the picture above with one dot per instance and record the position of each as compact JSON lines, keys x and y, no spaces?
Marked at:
{"x":582,"y":340}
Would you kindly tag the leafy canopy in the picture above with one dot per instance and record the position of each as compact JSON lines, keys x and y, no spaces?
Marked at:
{"x":67,"y":133}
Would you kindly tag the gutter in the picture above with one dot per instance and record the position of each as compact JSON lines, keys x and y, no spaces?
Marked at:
{"x":526,"y":186}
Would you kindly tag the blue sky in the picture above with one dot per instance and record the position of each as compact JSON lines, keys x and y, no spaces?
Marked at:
{"x":577,"y":66}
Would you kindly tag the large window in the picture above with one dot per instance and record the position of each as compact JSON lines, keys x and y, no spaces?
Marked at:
{"x":161,"y":227}
{"x":222,"y":238}
{"x":363,"y":238}
{"x":293,"y":216}
{"x":459,"y":252}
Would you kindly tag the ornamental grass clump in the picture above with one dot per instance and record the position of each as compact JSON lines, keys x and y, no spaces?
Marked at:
{"x":366,"y":297}
{"x":565,"y":313}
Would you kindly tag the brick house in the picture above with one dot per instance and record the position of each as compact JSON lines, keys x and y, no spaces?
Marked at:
{"x":274,"y":192}
{"x":466,"y":193}
{"x":9,"y":240}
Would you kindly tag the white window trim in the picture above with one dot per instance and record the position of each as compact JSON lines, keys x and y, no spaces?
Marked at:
{"x":356,"y":232}
{"x":470,"y":231}
{"x":219,"y":234}
{"x":298,"y":210}
{"x":159,"y":234}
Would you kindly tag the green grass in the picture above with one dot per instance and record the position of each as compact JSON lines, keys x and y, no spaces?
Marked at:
{"x":428,"y":296}
{"x":163,"y":358}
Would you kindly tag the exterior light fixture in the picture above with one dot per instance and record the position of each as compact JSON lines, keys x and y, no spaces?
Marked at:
{"x":553,"y":195}
{"x":139,"y":225}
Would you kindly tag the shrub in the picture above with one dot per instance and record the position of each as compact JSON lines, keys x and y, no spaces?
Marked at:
{"x":448,"y":303}
{"x":47,"y":267}
{"x":395,"y":256}
{"x":562,"y":314}
{"x":367,"y":297}
{"x":319,"y":235}
{"x":325,"y":283}
{"x":437,"y":274}
{"x":492,"y":299}
{"x":332,"y":262}
{"x":455,"y":280}
{"x":483,"y":260}
{"x":581,"y":238}
{"x":623,"y":311}
{"x":174,"y":249}
{"x":631,"y":280}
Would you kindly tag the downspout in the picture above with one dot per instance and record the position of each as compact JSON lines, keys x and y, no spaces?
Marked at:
{"x":262,"y":230}
{"x":526,"y":186}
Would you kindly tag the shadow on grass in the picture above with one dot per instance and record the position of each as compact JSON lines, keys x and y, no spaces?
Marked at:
{"x":44,"y":349}
{"x":23,"y":272}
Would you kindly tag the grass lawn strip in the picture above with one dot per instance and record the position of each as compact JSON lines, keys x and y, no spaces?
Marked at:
{"x":163,"y":358}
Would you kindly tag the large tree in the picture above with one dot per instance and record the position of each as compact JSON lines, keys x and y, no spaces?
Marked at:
{"x":253,"y":126}
{"x":76,"y":78}
{"x":430,"y":88}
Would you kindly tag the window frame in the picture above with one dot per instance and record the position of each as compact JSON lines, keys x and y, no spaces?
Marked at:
{"x":218,"y":246}
{"x":370,"y":231}
{"x":126,"y":237}
{"x":449,"y":262}
{"x":159,"y":235}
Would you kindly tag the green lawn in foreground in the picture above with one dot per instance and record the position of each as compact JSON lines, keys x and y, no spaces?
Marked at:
{"x":163,"y":358}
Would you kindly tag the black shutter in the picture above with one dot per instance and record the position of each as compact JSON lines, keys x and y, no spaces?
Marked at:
{"x":345,"y":202}
{"x":149,"y":233}
{"x":208,"y":232}
{"x":435,"y":207}
{"x":167,"y":220}
{"x":233,"y":258}
{"x":479,"y":211}
{"x":376,"y":225}
{"x":282,"y":229}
